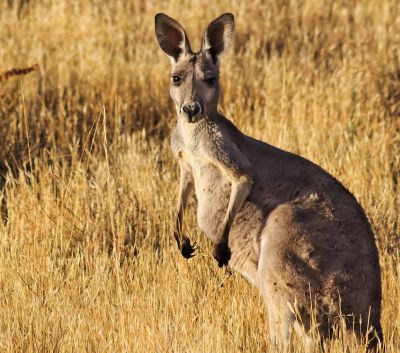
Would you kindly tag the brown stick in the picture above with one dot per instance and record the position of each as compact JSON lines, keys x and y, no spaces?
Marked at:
{"x":16,"y":72}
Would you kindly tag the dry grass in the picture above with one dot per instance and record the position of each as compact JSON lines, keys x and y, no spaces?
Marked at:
{"x":86,"y":257}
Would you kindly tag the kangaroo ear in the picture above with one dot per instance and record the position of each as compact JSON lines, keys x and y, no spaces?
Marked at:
{"x":171,"y":36}
{"x":218,"y":36}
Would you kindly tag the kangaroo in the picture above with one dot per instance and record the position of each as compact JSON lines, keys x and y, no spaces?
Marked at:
{"x":285,"y":224}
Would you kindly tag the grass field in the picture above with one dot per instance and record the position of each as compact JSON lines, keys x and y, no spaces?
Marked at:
{"x":89,"y":185}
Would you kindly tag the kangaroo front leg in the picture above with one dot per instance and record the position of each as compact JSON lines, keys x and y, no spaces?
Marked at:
{"x":241,"y":187}
{"x":183,"y":241}
{"x":238,"y":169}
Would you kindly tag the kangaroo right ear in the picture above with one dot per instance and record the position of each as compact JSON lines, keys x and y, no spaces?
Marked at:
{"x":171,"y":36}
{"x":218,"y":36}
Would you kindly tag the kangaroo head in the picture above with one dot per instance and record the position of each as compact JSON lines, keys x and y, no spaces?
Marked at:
{"x":195,"y":75}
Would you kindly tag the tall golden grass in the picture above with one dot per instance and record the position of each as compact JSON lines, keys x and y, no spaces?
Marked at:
{"x":88,"y":183}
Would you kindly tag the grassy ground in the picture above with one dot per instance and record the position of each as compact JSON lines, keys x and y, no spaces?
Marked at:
{"x":88,"y":183}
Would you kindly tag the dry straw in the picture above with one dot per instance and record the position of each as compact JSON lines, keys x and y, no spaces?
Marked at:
{"x":87,"y":263}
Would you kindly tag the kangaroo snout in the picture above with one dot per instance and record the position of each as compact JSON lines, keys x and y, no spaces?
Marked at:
{"x":191,"y":110}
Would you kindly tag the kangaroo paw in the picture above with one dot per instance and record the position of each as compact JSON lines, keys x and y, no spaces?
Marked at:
{"x":222,"y":254}
{"x":187,"y":249}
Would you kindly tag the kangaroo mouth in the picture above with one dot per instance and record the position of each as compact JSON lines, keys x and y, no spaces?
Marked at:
{"x":195,"y":118}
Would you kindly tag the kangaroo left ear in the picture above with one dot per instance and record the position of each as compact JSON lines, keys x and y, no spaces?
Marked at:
{"x":218,"y":36}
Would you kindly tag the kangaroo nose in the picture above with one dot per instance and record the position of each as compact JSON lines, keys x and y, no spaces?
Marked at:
{"x":191,"y":109}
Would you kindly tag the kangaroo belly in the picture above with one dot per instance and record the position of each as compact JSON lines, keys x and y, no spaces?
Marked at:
{"x":212,"y":193}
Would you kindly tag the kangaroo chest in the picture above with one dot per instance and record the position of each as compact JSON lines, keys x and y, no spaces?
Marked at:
{"x":212,"y":190}
{"x":212,"y":187}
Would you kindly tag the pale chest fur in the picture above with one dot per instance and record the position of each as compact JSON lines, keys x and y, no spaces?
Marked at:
{"x":211,"y":187}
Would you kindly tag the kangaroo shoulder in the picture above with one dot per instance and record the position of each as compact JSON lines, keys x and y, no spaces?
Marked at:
{"x":222,"y":144}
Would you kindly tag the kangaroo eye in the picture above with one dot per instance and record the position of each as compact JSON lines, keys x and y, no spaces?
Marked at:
{"x":211,"y":81}
{"x":176,"y":79}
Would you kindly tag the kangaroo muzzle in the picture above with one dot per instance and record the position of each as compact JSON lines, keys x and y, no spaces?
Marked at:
{"x":191,"y":110}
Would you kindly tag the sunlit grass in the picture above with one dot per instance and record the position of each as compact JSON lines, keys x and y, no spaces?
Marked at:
{"x":86,"y":257}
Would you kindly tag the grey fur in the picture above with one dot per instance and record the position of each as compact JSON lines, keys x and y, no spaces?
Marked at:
{"x":283,"y":222}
